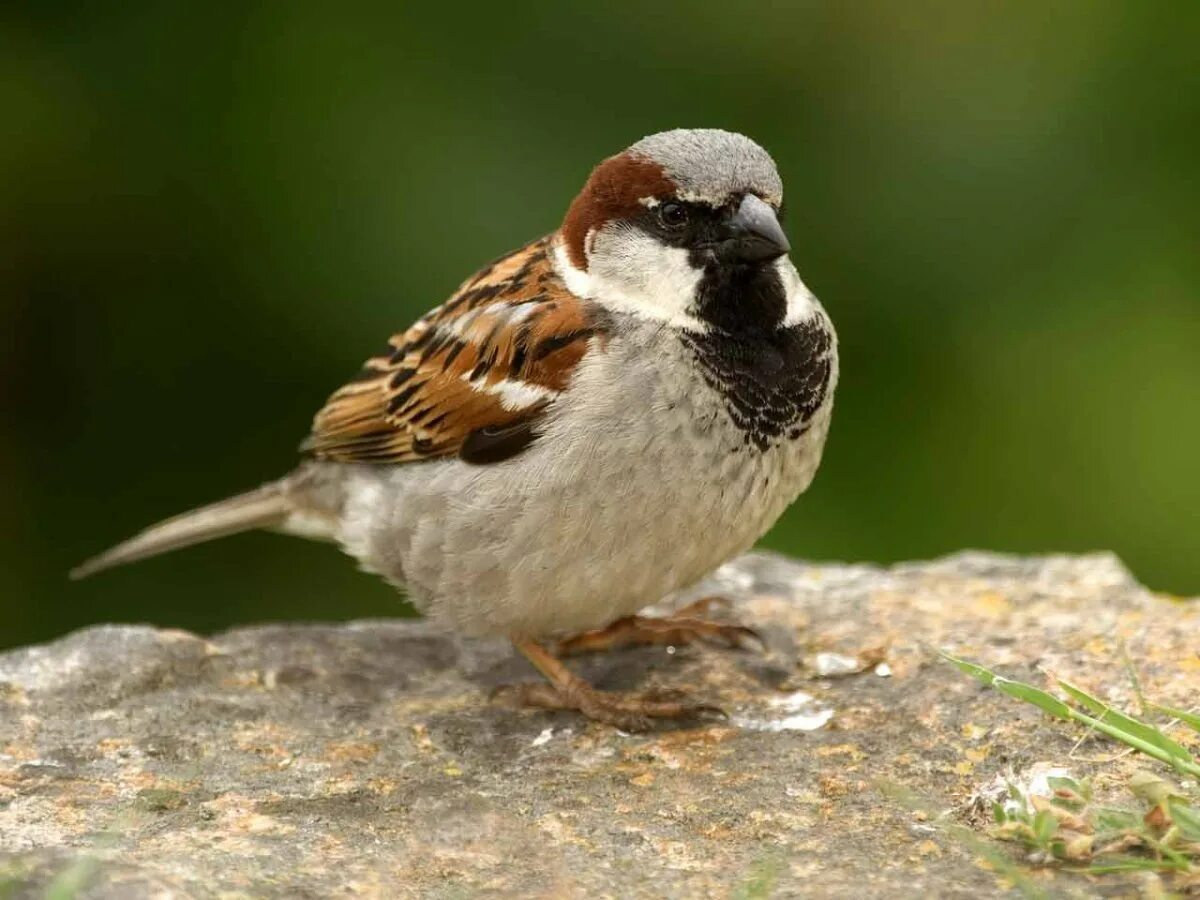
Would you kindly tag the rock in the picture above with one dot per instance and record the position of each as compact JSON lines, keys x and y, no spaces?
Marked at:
{"x":365,"y":760}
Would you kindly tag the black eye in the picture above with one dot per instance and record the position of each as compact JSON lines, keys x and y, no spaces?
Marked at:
{"x":673,"y":215}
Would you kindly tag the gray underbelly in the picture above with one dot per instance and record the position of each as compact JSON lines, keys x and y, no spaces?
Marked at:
{"x":540,"y":545}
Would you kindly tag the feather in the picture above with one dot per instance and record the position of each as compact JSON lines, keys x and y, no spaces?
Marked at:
{"x":265,"y":507}
{"x":489,"y":361}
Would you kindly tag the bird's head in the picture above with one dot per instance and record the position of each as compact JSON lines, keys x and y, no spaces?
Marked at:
{"x":664,"y":227}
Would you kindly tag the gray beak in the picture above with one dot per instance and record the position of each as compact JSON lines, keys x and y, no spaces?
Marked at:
{"x":754,"y":234}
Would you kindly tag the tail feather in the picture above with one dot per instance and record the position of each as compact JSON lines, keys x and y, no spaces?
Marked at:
{"x":266,"y":507}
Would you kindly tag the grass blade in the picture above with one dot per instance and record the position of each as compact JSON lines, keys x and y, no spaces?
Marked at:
{"x":1185,"y":817}
{"x":1192,"y":720}
{"x":1106,"y":713}
{"x":1019,"y":689}
{"x":1135,"y":864}
{"x":1129,"y":740}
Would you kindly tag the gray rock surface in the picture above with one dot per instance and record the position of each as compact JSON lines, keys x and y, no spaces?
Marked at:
{"x":365,"y":760}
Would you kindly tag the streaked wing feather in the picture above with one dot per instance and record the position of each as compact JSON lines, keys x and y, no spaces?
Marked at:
{"x":471,"y":376}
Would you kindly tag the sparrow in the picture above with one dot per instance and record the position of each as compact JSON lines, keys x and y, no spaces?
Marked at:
{"x":589,"y":423}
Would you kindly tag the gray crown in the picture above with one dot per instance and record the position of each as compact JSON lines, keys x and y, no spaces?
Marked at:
{"x":710,"y":164}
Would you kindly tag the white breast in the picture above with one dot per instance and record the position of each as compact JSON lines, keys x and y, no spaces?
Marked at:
{"x":639,"y":485}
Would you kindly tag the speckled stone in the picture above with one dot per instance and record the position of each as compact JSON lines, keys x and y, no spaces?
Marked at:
{"x":365,"y":760}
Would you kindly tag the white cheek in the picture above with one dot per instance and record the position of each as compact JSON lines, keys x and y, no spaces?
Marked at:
{"x":631,"y":271}
{"x":801,"y":304}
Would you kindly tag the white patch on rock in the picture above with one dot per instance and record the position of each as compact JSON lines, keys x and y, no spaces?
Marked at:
{"x":805,"y":715}
{"x":793,"y":701}
{"x":836,"y":664}
{"x":804,"y":721}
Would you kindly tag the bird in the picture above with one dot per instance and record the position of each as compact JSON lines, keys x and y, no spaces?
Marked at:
{"x":589,"y":423}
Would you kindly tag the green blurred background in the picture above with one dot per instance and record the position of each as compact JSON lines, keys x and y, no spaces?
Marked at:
{"x":209,"y":218}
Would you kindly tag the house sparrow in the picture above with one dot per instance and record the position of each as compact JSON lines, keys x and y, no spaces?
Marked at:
{"x":589,"y":423}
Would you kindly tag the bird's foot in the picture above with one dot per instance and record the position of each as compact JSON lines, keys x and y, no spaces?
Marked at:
{"x":686,"y":626}
{"x":565,"y":690}
{"x":627,"y":711}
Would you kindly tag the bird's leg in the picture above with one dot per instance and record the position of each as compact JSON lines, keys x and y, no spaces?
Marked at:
{"x":685,"y":626}
{"x":565,"y":690}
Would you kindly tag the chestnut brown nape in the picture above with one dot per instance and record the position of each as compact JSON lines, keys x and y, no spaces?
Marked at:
{"x":613,"y":191}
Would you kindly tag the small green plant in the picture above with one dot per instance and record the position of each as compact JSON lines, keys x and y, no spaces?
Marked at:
{"x":1070,"y":826}
{"x":1162,"y":833}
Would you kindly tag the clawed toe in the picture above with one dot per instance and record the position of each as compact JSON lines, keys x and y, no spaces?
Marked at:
{"x":705,"y":606}
{"x":629,"y":712}
{"x":564,"y":690}
{"x":535,"y":694}
{"x":678,"y":630}
{"x":737,"y":637}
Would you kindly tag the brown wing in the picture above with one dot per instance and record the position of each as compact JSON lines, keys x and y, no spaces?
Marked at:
{"x":470,"y":377}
